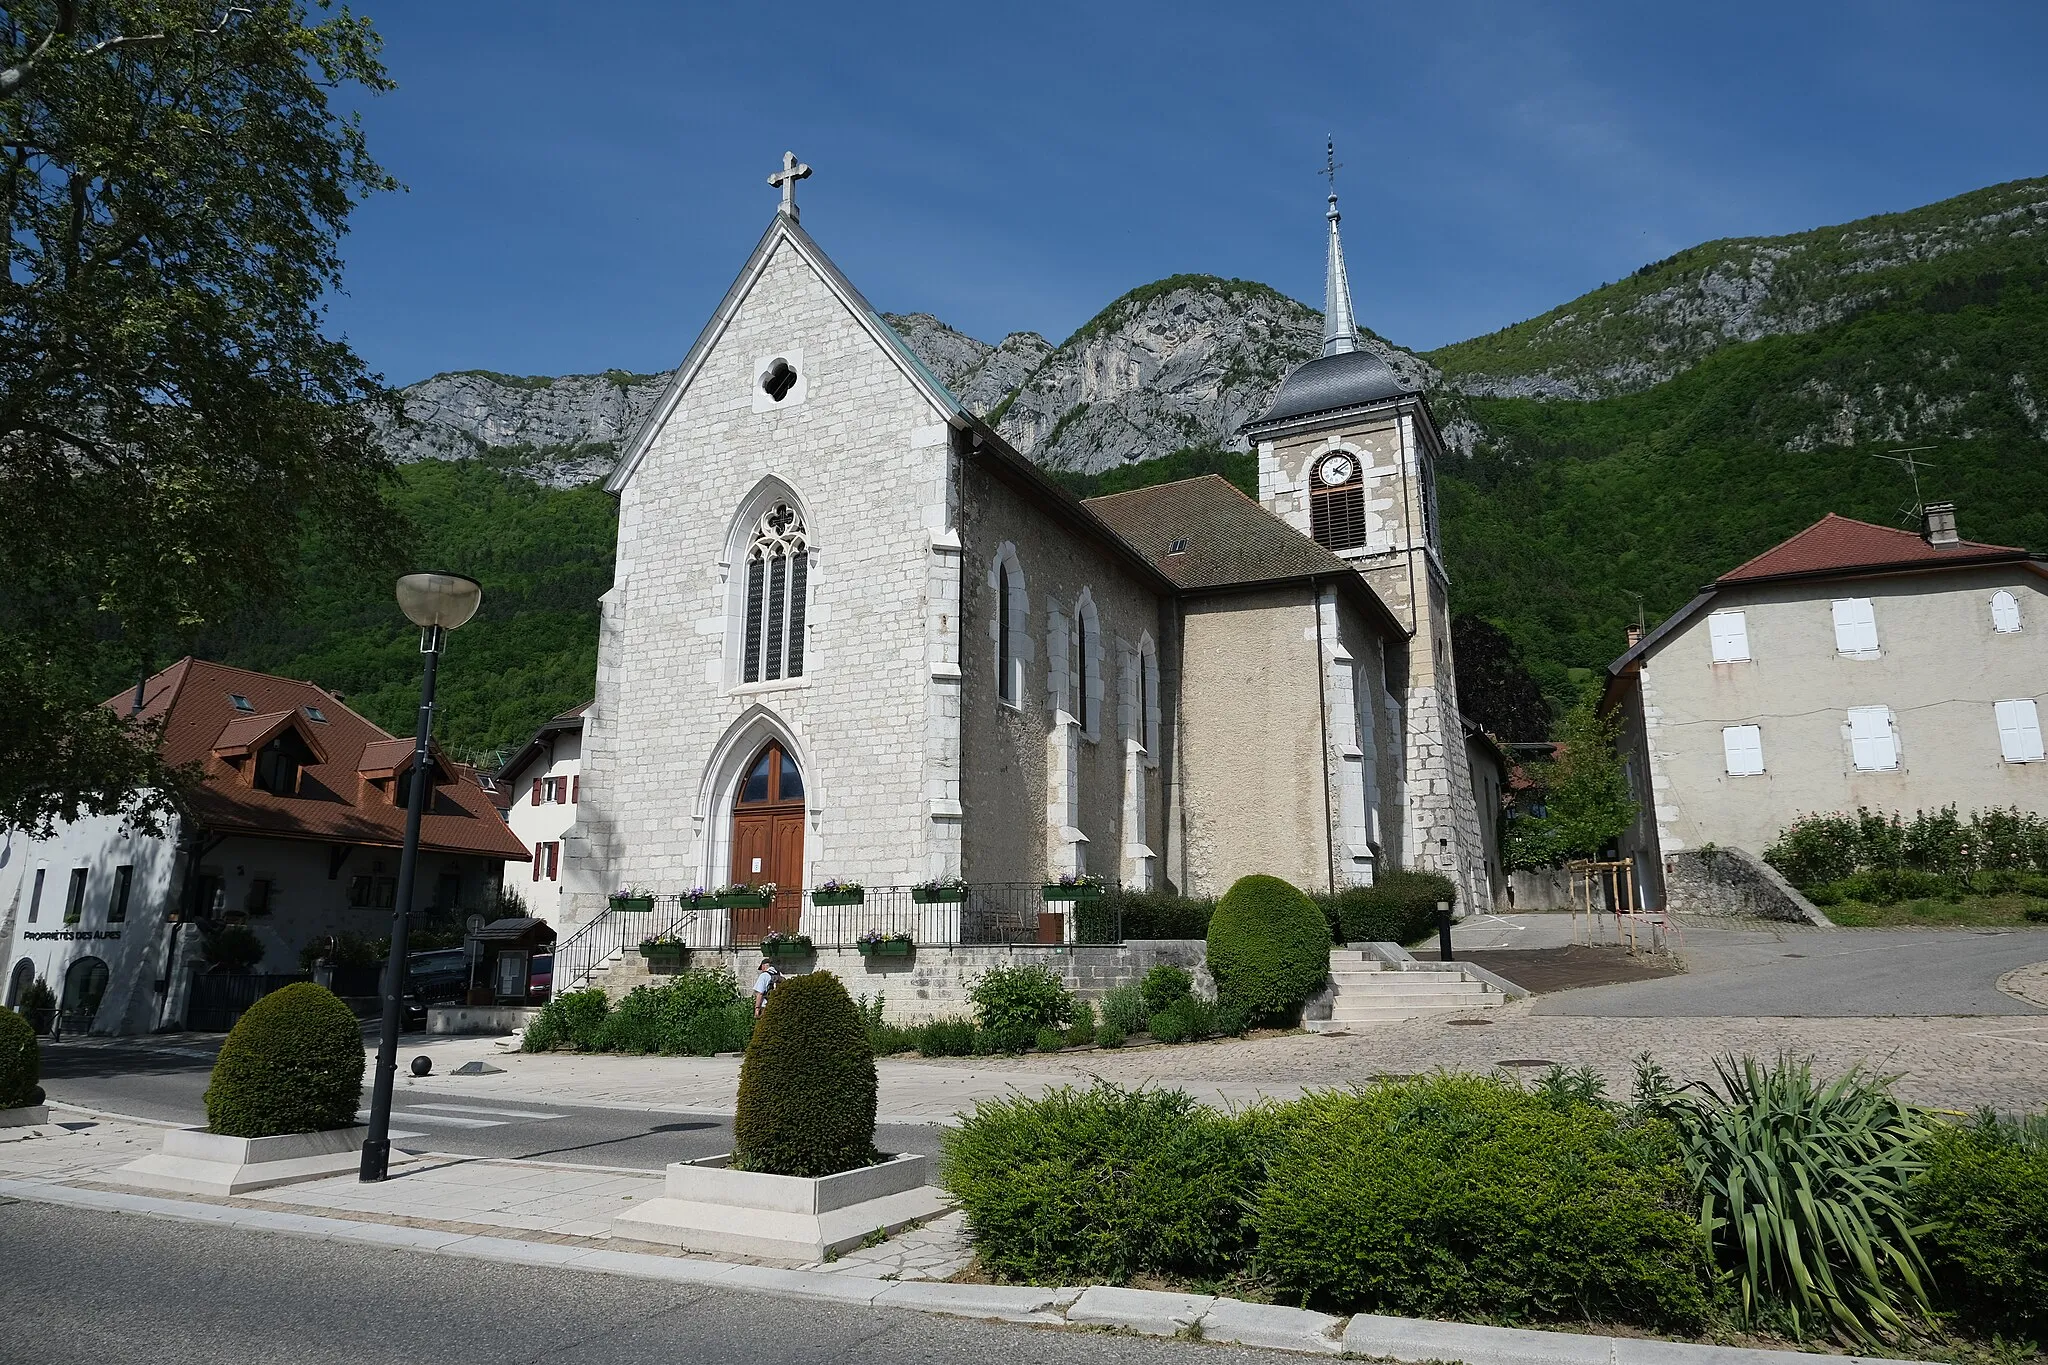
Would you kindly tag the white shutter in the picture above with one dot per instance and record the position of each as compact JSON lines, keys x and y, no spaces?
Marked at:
{"x":1730,"y":634}
{"x":1855,"y":627}
{"x":2005,"y":612}
{"x":1744,"y":747}
{"x":2019,"y":730}
{"x":1871,"y":741}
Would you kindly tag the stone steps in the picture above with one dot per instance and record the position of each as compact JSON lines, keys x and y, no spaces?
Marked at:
{"x":1373,"y":990}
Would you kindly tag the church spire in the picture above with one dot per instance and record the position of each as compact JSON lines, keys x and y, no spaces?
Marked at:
{"x":1340,"y":328}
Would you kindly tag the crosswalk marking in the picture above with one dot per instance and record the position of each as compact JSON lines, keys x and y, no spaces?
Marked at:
{"x":415,"y":1114}
{"x":480,"y":1109}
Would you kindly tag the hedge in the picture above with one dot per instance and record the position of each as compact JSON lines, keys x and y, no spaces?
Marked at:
{"x":807,"y":1088}
{"x":1455,"y":1196}
{"x":1400,"y":907}
{"x":293,"y":1063}
{"x":20,"y":1062}
{"x":1100,"y":1184}
{"x":1269,"y":948}
{"x":1984,"y":1202}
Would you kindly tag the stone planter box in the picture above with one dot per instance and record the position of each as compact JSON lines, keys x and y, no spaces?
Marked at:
{"x":193,"y":1162}
{"x":635,"y":905}
{"x":838,"y":897}
{"x":706,"y":1206}
{"x":953,"y":895}
{"x":28,"y":1116}
{"x":888,"y":947}
{"x":1055,"y":892}
{"x":488,"y":1020}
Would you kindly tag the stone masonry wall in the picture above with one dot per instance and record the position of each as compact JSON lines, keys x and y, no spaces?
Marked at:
{"x":864,"y":453}
{"x":1733,"y":881}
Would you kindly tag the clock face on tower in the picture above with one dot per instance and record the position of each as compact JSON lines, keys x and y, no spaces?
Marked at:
{"x":1335,"y":469}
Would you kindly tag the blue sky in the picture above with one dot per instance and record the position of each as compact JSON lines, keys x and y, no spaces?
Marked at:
{"x":584,"y":180}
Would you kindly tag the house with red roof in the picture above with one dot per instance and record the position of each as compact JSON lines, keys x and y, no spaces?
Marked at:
{"x":291,"y":825}
{"x":1852,"y":665}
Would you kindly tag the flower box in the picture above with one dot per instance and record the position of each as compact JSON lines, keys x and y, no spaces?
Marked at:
{"x":854,"y":897}
{"x":633,"y":904}
{"x":743,"y":900}
{"x":799,"y":946}
{"x":1055,"y":892}
{"x":888,"y":947}
{"x":662,"y":952}
{"x":938,"y":895}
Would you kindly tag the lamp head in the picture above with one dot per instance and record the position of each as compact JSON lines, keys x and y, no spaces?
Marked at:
{"x":446,"y":600}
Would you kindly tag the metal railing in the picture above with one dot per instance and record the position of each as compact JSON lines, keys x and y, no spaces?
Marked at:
{"x":614,"y":933}
{"x":1010,"y":913}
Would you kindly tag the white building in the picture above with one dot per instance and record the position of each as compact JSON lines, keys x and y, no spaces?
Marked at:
{"x":542,"y":787}
{"x":853,"y":634}
{"x":292,"y":829}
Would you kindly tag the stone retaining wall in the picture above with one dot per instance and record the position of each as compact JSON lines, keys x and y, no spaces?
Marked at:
{"x":932,"y":983}
{"x":1733,"y":881}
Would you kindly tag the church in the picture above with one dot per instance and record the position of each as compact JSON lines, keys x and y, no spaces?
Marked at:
{"x":855,"y":636}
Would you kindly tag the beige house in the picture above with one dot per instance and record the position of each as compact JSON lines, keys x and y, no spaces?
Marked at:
{"x":1852,"y":665}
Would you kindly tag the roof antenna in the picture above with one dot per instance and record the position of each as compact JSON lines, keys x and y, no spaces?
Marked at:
{"x":1903,"y":458}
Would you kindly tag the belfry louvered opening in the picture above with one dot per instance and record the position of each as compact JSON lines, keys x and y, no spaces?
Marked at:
{"x":1337,"y":512}
{"x":778,"y":566}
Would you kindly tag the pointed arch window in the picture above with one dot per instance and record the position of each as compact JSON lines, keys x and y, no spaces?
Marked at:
{"x":778,"y":569}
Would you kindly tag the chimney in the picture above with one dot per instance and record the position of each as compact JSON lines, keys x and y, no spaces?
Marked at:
{"x":1635,"y":635}
{"x":1938,"y":525}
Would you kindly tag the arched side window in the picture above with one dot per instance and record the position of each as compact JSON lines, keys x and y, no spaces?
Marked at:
{"x":1010,"y":627}
{"x":1336,"y":501}
{"x":2005,"y":612}
{"x":778,"y":569}
{"x":1087,"y":665}
{"x":1148,"y":699}
{"x":19,"y":981}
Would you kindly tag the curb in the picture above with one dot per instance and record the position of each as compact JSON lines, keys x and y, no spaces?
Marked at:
{"x":1147,"y":1312}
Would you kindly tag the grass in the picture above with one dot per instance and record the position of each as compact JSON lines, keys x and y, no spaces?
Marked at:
{"x":1971,"y":910}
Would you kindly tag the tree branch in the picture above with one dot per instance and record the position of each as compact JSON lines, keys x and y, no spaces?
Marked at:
{"x":15,"y":78}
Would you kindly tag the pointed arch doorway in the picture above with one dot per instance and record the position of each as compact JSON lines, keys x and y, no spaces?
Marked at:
{"x":768,"y":842}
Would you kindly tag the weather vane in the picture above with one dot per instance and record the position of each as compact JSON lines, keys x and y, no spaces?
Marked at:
{"x":1331,"y":165}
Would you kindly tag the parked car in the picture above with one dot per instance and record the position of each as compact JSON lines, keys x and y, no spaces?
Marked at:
{"x":438,"y":976}
{"x":540,"y":978}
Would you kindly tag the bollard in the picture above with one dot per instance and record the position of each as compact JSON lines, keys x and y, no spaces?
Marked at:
{"x":1443,"y":930}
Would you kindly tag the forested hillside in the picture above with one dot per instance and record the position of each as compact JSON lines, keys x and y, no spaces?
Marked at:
{"x":1725,"y":398}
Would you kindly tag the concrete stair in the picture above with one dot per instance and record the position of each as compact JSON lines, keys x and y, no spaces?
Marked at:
{"x":1383,"y":984}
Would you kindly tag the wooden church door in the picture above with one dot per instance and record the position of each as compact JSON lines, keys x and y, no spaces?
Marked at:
{"x":768,"y":844}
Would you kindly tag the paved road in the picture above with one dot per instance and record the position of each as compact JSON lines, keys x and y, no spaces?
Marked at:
{"x":109,"y":1289}
{"x":165,"y":1080}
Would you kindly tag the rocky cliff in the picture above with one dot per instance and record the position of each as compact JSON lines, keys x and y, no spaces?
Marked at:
{"x":563,"y":431}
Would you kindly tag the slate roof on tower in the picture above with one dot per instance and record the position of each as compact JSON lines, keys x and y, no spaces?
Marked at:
{"x":1333,"y":383}
{"x":338,"y":800}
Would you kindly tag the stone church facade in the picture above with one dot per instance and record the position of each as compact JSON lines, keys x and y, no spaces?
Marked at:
{"x":852,"y":634}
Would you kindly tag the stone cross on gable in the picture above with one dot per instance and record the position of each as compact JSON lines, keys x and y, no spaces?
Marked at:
{"x":786,"y":178}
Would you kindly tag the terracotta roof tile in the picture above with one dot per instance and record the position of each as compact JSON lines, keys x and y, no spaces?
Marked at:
{"x":191,"y":697}
{"x":1839,"y":545}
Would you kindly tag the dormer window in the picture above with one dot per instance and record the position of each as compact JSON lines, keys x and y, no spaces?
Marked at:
{"x":278,"y":767}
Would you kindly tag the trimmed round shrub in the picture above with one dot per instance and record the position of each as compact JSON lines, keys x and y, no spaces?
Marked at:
{"x":807,"y":1087}
{"x":1101,"y":1184}
{"x":1451,"y":1196}
{"x":1011,"y":1004}
{"x":292,"y":1064}
{"x":1984,"y":1202}
{"x":1269,"y":948}
{"x":21,"y":1063}
{"x":1165,"y":986}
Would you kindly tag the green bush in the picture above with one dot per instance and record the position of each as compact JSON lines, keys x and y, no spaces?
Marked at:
{"x":1109,"y":1035}
{"x":1269,"y":948}
{"x":1011,"y":1004}
{"x":1400,"y":907}
{"x":663,"y":1018}
{"x":1051,"y":1039}
{"x":1165,"y":986}
{"x":1082,"y":1031}
{"x":711,"y":1032}
{"x":1984,"y":1202}
{"x":1456,"y":1196}
{"x":1232,"y":1021}
{"x":946,"y":1038}
{"x":20,"y":1062}
{"x":1820,"y":850}
{"x":807,"y":1088}
{"x":1100,"y":1185}
{"x":1155,"y":914}
{"x":1123,"y":1007}
{"x":38,"y":1005}
{"x":293,"y":1063}
{"x":576,"y":1018}
{"x":1184,"y":1021}
{"x":230,"y":947}
{"x":1801,"y":1189}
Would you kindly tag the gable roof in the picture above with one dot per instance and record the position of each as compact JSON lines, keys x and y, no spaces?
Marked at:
{"x":1228,"y":541}
{"x":569,"y":720}
{"x":1833,"y":547}
{"x":1839,"y":545}
{"x":193,"y":700}
{"x":782,"y":230}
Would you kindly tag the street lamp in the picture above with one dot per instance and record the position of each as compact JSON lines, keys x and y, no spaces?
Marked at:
{"x":437,"y":603}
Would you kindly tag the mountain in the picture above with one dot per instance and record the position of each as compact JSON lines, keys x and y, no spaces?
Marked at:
{"x":1635,"y":441}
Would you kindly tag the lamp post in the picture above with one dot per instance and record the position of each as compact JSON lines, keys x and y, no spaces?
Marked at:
{"x":437,"y":603}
